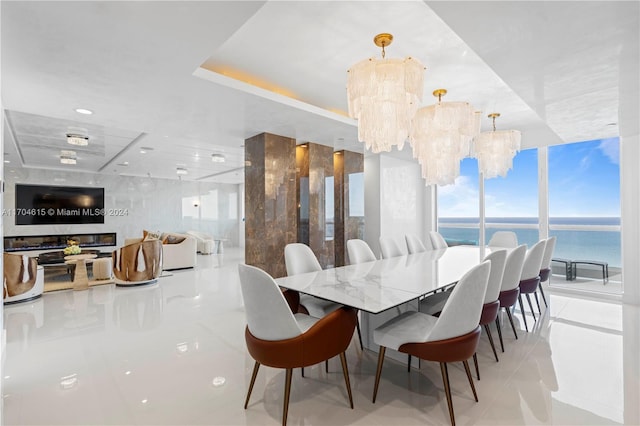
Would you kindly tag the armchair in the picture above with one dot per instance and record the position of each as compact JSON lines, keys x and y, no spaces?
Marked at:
{"x":23,"y":278}
{"x":137,"y":263}
{"x":205,"y":244}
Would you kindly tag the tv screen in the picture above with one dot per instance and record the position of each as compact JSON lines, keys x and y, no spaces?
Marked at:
{"x":52,"y":205}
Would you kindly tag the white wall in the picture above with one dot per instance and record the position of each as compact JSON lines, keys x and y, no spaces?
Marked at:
{"x":396,"y":200}
{"x":153,"y":204}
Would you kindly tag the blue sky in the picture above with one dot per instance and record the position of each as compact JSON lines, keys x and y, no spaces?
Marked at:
{"x":584,"y":180}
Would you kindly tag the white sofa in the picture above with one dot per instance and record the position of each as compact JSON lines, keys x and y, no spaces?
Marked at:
{"x":205,"y":243}
{"x":175,"y":256}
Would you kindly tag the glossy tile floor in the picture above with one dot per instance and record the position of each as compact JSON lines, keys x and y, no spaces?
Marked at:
{"x":174,"y":353}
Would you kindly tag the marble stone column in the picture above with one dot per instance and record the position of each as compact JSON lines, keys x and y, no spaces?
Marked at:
{"x":349,"y":201}
{"x":314,"y":166}
{"x":270,"y":201}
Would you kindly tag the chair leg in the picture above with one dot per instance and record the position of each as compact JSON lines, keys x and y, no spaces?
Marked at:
{"x":326,"y":366}
{"x":493,"y":347}
{"x":475,"y":363}
{"x":524,"y":317}
{"x":513,"y":327}
{"x":468,"y":370}
{"x":287,"y":392}
{"x":447,"y":391}
{"x":533,"y":313}
{"x":359,"y":334}
{"x":408,"y":363}
{"x":302,"y":371}
{"x":345,"y":372}
{"x":499,"y":327}
{"x":535,"y":295}
{"x":256,"y":366}
{"x":378,"y":371}
{"x":544,"y":299}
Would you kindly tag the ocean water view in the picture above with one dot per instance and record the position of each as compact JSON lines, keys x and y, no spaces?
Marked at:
{"x":594,"y":238}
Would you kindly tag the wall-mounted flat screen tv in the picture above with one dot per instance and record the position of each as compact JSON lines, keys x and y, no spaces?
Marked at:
{"x":54,"y":205}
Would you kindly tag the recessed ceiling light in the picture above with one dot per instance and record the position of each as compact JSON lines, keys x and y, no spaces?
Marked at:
{"x":84,"y":111}
{"x":181,"y":171}
{"x":218,"y":158}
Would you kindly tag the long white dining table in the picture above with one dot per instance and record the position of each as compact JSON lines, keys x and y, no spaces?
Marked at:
{"x":376,"y":288}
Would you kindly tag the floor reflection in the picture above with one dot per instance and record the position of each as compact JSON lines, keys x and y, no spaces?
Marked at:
{"x":178,"y":345}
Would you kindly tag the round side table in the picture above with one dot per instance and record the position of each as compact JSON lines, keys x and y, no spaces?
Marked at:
{"x":80,"y":279}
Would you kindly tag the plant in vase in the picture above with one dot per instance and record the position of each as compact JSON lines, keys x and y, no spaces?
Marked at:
{"x":72,"y":248}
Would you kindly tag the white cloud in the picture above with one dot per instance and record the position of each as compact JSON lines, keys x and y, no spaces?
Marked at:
{"x":611,"y":149}
{"x":458,"y":200}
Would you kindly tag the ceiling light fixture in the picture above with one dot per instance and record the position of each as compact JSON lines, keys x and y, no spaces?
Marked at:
{"x":495,"y":150}
{"x":440,"y":137}
{"x":78,"y":140}
{"x":218,"y":158}
{"x":67,"y":159}
{"x":84,"y":111}
{"x":383,"y":95}
{"x":181,"y":171}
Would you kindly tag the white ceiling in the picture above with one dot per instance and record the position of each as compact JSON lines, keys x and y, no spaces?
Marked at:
{"x":190,"y":79}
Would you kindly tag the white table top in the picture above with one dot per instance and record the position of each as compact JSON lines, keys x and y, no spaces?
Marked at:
{"x":377,"y":286}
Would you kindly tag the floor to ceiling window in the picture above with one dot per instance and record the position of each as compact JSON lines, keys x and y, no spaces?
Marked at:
{"x":584,"y":210}
{"x":511,"y":202}
{"x":583,"y":203}
{"x":458,"y":206}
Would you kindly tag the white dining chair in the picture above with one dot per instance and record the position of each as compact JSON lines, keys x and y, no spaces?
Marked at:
{"x":491,"y":304}
{"x":416,"y":245}
{"x":390,"y":248}
{"x":300,"y":259}
{"x":505,"y":239}
{"x":434,"y":304}
{"x":451,"y":337}
{"x":437,"y":240}
{"x":545,"y":269}
{"x":509,"y":290}
{"x":277,"y":338}
{"x":359,"y":252}
{"x":530,"y":278}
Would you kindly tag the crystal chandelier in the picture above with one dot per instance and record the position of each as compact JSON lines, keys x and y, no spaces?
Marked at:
{"x":495,"y":150}
{"x":440,"y":137}
{"x":383,"y":95}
